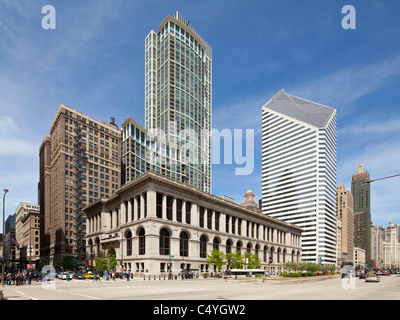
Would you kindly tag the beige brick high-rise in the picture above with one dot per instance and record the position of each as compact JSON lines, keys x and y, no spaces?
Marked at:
{"x":344,"y":205}
{"x":79,"y":164}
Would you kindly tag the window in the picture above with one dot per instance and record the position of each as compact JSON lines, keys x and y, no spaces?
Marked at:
{"x":159,"y":205}
{"x":228,"y":246}
{"x":184,"y":244}
{"x":164,"y":242}
{"x":179,"y":210}
{"x":201,"y":218}
{"x":188,"y":208}
{"x":203,"y":247}
{"x":216,"y":244}
{"x":209,"y":219}
{"x":142,"y":242}
{"x":169,"y":207}
{"x":129,"y":244}
{"x":216,"y":216}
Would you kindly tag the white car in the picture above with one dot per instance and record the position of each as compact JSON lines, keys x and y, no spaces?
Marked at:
{"x":372,"y":278}
{"x":63,"y":276}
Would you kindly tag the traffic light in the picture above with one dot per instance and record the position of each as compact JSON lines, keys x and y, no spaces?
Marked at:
{"x":270,"y":260}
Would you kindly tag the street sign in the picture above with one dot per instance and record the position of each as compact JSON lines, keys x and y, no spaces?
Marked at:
{"x":30,"y":266}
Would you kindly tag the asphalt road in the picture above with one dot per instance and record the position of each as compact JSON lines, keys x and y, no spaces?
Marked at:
{"x":207,"y":289}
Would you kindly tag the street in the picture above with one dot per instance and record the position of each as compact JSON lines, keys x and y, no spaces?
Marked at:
{"x":207,"y":289}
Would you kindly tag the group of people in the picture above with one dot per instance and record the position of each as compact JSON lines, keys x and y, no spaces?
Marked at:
{"x":18,"y":278}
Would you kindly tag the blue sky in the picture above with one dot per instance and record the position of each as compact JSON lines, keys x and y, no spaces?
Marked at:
{"x":94,"y":62}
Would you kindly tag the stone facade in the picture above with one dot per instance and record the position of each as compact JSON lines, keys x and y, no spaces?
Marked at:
{"x":153,"y":222}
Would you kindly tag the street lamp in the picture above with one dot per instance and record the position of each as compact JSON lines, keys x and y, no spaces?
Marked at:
{"x":2,"y":267}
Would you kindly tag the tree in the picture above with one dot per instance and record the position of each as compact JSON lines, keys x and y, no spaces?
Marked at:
{"x":253,"y":261}
{"x":216,"y":258}
{"x":67,"y":262}
{"x":236,"y":260}
{"x":100,"y":264}
{"x":108,"y":263}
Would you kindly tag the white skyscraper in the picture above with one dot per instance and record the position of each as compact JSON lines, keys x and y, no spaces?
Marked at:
{"x":299,"y":171}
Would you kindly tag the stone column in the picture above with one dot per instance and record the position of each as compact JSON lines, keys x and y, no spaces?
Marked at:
{"x":194,"y":215}
{"x":151,"y":203}
{"x":173,"y":209}
{"x":123,"y":212}
{"x":105,"y":217}
{"x":129,"y":210}
{"x":141,"y":206}
{"x":135,"y":214}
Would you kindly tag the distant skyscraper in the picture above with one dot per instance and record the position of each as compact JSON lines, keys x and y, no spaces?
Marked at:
{"x":362,"y":210}
{"x":299,"y":171}
{"x":178,"y":95}
{"x":344,"y":205}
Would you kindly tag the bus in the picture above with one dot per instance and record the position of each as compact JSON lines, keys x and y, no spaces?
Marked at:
{"x":236,"y":273}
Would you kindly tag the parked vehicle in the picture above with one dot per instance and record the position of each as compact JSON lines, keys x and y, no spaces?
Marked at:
{"x":372,"y":278}
{"x":62,"y":276}
{"x":79,"y":275}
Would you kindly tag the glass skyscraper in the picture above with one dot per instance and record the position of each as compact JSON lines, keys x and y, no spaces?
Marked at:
{"x":299,"y":171}
{"x":178,"y":95}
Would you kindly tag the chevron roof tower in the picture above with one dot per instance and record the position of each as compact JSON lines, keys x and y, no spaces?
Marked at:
{"x":299,"y":171}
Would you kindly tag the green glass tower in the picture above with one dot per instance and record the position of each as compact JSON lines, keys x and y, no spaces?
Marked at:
{"x":178,"y":95}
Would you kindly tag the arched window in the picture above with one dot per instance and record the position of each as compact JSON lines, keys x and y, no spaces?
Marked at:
{"x":129,"y":243}
{"x":216,"y":244}
{"x":203,"y":247}
{"x":228,"y":246}
{"x":265,"y":254}
{"x":239,"y":247}
{"x":257,"y":248}
{"x":142,"y":242}
{"x":164,"y":242}
{"x":184,"y":244}
{"x":249,"y":247}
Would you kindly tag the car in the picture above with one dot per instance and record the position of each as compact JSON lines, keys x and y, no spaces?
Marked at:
{"x":79,"y":275}
{"x":386,"y":273}
{"x":362,"y":276}
{"x":62,"y":276}
{"x":90,"y":275}
{"x":372,"y":278}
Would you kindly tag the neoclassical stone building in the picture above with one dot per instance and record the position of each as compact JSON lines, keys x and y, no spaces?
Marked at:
{"x":154,"y":222}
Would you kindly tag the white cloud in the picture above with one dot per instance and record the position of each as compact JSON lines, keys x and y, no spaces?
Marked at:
{"x":342,"y":88}
{"x":362,"y":128}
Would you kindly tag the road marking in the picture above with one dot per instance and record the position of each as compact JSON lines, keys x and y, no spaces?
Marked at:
{"x":86,"y":296}
{"x":24,"y":294}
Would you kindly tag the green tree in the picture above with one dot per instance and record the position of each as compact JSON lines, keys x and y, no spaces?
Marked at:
{"x":236,"y":260}
{"x":253,"y":261}
{"x":216,"y":258}
{"x":111,"y":261}
{"x":100,"y":264}
{"x":106,"y":263}
{"x":67,"y":262}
